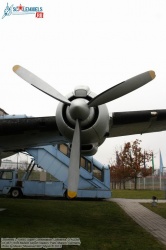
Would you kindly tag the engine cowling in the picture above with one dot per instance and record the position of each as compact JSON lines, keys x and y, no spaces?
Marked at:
{"x":94,"y":121}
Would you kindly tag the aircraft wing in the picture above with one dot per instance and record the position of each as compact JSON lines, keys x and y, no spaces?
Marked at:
{"x":137,"y":122}
{"x":21,"y":133}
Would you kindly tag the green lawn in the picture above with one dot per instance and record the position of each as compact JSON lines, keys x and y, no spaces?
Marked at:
{"x":137,"y":194}
{"x":99,"y":224}
{"x":159,"y":209}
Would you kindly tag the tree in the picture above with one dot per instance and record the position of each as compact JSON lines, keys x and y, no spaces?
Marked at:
{"x":120,"y":172}
{"x":131,"y":163}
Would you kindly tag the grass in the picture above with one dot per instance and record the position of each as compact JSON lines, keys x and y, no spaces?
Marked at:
{"x":100,"y":225}
{"x":137,"y":194}
{"x":159,"y":209}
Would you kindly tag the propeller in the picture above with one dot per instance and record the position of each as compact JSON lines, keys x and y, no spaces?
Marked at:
{"x":39,"y":83}
{"x":79,"y":110}
{"x":122,"y":88}
{"x":73,"y":177}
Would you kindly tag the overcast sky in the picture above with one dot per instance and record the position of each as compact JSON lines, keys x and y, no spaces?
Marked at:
{"x":94,"y":43}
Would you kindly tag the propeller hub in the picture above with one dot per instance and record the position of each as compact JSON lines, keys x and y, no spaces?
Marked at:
{"x":79,"y":109}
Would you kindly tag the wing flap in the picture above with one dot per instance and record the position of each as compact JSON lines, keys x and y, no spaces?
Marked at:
{"x":137,"y":122}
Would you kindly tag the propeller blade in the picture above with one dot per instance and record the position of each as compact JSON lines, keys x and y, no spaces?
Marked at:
{"x":39,"y":83}
{"x":73,"y":177}
{"x":122,"y":88}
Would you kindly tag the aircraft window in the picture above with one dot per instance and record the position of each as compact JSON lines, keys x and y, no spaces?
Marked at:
{"x":64,"y":149}
{"x":82,"y":163}
{"x":7,"y":175}
{"x":85,"y":164}
{"x":98,"y":173}
{"x":89,"y":166}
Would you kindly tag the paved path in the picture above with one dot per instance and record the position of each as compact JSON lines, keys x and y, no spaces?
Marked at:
{"x":152,"y":222}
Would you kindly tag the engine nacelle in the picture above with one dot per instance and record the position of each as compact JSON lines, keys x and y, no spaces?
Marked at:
{"x":94,"y":121}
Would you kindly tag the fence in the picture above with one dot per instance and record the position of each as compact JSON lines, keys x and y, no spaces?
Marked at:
{"x":150,"y":182}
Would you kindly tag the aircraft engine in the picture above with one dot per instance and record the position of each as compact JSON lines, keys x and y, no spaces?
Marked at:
{"x":94,"y":121}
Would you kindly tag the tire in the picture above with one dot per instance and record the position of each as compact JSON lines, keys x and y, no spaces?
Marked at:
{"x":15,"y":193}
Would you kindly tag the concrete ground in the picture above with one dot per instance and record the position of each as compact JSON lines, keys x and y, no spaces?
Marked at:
{"x":150,"y":221}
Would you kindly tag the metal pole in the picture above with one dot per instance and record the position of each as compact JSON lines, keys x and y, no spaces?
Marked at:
{"x":17,"y":160}
{"x":153,"y":180}
{"x":144,"y":182}
{"x":160,"y":180}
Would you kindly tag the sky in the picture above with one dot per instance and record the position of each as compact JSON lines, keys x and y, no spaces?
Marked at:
{"x":91,"y":42}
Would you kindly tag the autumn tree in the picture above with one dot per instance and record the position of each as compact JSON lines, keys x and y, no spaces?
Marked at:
{"x":119,"y":172}
{"x":131,"y":163}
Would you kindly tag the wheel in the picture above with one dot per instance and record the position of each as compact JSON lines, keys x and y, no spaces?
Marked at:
{"x":15,"y":193}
